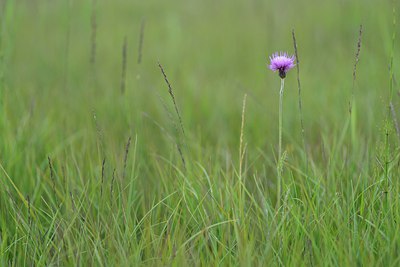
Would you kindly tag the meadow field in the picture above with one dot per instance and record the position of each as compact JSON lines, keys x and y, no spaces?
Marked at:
{"x":145,"y":133}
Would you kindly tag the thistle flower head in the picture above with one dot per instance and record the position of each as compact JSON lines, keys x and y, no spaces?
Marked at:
{"x":281,"y":62}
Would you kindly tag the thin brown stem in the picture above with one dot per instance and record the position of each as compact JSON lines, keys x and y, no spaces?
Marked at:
{"x":303,"y":134}
{"x":102,"y":176}
{"x":126,"y":157}
{"x":171,"y":93}
{"x":357,"y":58}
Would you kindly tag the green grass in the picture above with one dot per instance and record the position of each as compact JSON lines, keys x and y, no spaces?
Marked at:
{"x":62,"y":116}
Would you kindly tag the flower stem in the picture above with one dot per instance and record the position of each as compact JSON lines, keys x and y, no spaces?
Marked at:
{"x":279,"y":168}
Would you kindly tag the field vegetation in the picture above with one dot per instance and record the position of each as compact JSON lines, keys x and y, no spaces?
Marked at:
{"x":145,"y":133}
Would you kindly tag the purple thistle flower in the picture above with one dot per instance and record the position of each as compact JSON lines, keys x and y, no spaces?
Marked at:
{"x":281,"y":62}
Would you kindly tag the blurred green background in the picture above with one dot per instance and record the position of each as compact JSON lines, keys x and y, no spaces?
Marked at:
{"x":56,"y":103}
{"x":213,"y":53}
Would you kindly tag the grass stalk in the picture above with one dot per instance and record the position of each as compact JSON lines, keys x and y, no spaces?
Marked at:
{"x":356,"y":59}
{"x":352,"y":104}
{"x":303,"y":134}
{"x":128,"y":144}
{"x":103,"y":165}
{"x":389,"y":110}
{"x":242,"y":152}
{"x":241,"y":149}
{"x":280,"y":160}
{"x":172,"y":95}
